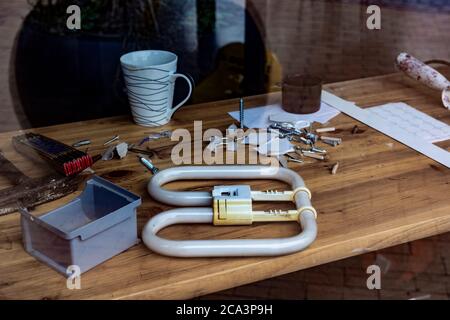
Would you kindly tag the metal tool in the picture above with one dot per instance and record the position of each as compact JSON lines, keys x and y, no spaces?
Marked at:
{"x":330,"y":140}
{"x":30,"y":192}
{"x":231,"y":205}
{"x":115,"y":138}
{"x":241,"y":113}
{"x":61,"y":157}
{"x":156,"y":136}
{"x":311,"y":154}
{"x":293,"y":159}
{"x":310,"y":136}
{"x":285,"y":120}
{"x":148,"y":164}
{"x":282,"y":160}
{"x":81,"y":143}
{"x":304,"y":140}
{"x":285,"y":128}
{"x":318,"y":150}
{"x":419,"y":71}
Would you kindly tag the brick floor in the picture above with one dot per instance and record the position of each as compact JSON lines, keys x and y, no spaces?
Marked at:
{"x":410,"y":275}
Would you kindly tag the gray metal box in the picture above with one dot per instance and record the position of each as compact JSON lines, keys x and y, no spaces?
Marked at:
{"x":95,"y":226}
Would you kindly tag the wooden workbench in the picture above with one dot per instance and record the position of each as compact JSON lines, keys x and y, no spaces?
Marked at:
{"x":384,"y":194}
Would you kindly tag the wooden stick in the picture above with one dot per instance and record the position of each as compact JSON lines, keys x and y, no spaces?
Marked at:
{"x":330,"y":129}
{"x":335,"y":168}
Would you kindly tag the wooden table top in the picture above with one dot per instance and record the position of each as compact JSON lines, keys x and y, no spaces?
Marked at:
{"x":383,"y":194}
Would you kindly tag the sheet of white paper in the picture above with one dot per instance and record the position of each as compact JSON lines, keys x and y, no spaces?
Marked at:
{"x":428,"y":149}
{"x":259,"y":117}
{"x":412,"y":121}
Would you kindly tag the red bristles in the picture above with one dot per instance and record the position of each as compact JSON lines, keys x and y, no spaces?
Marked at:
{"x":78,"y":165}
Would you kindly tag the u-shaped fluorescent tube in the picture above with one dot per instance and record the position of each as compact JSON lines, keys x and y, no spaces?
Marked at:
{"x":221,"y":248}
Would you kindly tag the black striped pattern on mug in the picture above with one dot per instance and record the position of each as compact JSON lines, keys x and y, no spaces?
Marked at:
{"x":147,"y":108}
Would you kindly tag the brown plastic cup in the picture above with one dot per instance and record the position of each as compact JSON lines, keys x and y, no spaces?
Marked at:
{"x":301,"y":94}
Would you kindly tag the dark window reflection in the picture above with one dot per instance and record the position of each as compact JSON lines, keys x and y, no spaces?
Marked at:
{"x":230,"y":48}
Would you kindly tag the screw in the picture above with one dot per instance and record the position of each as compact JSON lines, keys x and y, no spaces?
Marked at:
{"x":338,"y":140}
{"x":314,"y":155}
{"x":306,"y":141}
{"x":293,"y":159}
{"x":330,"y":142}
{"x":311,"y":136}
{"x":318,"y":150}
{"x":241,"y":112}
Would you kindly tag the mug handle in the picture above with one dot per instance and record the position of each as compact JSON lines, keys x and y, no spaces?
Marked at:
{"x":174,"y":78}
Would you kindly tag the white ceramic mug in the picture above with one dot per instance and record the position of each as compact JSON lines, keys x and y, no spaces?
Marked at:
{"x":150,"y":79}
